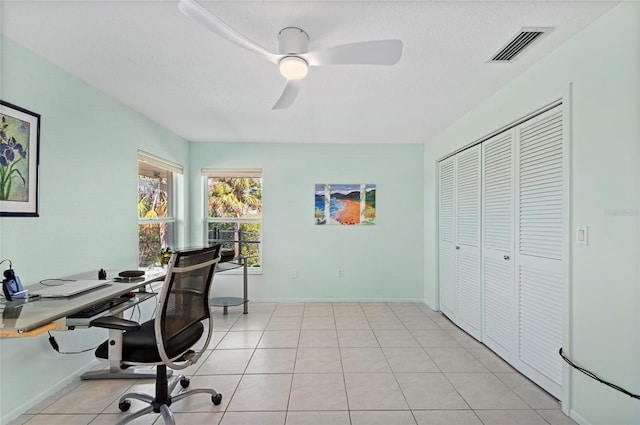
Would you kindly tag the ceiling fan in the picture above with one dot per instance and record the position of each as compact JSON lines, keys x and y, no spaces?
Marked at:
{"x":294,"y":59}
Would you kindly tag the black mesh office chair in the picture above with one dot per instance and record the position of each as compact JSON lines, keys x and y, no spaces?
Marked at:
{"x":169,"y":338}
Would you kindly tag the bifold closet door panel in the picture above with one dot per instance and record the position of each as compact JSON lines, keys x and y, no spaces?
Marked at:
{"x":500,"y":330}
{"x":446,"y":237}
{"x":467,"y":209}
{"x":541,"y":255}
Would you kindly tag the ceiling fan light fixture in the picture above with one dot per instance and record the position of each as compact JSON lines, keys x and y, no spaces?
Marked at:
{"x":293,"y":67}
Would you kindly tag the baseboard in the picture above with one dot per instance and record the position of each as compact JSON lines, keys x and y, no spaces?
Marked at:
{"x":337,"y":300}
{"x":578,"y":418}
{"x":28,"y":405}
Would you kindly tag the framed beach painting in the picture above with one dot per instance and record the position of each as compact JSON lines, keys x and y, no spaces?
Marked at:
{"x":19,"y":145}
{"x":345,"y":204}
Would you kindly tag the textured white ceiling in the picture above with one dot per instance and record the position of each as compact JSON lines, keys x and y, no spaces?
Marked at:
{"x":203,"y":88}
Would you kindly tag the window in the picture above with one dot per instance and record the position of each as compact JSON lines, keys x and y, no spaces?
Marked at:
{"x":234,"y":211}
{"x":156,"y":207}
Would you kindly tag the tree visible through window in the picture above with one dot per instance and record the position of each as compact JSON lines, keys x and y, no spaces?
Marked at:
{"x":235,"y":215}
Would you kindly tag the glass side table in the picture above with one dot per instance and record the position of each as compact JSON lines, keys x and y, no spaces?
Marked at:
{"x":226,"y":302}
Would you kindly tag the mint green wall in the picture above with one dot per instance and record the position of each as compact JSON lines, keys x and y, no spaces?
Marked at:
{"x":380,"y":262}
{"x":88,"y":172}
{"x":87,"y":181}
{"x":603,"y":63}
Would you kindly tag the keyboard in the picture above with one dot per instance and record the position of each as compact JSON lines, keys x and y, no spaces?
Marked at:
{"x":100,"y":307}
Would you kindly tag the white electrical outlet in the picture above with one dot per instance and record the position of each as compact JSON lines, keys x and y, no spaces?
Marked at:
{"x":294,"y":273}
{"x":340,"y":272}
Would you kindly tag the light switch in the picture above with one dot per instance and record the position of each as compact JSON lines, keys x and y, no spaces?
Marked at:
{"x":582,"y":235}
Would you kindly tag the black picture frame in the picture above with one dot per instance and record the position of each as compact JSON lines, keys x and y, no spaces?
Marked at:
{"x":19,"y":161}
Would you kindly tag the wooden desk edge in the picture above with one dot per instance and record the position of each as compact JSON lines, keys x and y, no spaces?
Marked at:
{"x":33,"y":332}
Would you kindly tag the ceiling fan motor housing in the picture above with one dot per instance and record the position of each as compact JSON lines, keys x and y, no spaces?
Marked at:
{"x":293,"y":41}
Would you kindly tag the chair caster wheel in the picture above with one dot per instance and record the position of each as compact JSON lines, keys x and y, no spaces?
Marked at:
{"x":124,"y":405}
{"x":217,"y":399}
{"x":184,"y":382}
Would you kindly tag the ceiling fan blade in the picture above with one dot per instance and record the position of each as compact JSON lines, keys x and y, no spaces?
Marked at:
{"x":195,"y":11}
{"x":379,"y":52}
{"x":288,"y":95}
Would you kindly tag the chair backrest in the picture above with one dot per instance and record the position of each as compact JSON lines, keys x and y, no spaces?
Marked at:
{"x":184,"y":304}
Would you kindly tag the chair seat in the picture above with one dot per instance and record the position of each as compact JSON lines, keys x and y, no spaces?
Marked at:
{"x":139,"y":346}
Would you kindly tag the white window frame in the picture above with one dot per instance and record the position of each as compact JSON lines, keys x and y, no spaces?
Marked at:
{"x":173,"y":169}
{"x":230,"y":173}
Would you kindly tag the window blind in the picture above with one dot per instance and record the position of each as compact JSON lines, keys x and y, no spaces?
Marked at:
{"x":147,"y":158}
{"x":245,"y":172}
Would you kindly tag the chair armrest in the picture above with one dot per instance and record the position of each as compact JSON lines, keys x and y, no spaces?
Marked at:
{"x":112,"y":322}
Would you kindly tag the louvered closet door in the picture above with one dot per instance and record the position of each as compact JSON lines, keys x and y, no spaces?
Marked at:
{"x":499,"y":289}
{"x":541,"y":248}
{"x":468,"y":288}
{"x":446,"y":235}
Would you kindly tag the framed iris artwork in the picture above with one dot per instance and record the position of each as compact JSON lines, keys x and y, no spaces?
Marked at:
{"x":19,"y":145}
{"x":345,"y":204}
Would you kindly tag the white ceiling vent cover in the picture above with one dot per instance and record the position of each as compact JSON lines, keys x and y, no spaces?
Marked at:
{"x":525,"y":38}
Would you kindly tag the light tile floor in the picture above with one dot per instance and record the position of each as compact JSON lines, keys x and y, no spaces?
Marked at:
{"x":330,"y":364}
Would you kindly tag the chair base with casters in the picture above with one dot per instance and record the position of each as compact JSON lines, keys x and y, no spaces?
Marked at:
{"x":163,"y":398}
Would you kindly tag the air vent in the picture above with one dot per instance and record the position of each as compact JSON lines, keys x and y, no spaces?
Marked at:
{"x":525,"y":38}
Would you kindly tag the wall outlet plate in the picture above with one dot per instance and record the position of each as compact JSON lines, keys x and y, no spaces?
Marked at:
{"x":582,"y":235}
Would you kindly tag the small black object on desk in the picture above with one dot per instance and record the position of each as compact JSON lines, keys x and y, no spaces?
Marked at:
{"x":102,"y":274}
{"x":131,"y":273}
